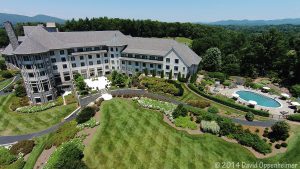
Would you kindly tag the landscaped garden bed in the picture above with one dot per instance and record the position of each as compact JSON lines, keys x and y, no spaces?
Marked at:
{"x":42,"y":107}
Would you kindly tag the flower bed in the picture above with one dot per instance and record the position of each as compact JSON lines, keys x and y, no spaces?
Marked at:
{"x":228,"y":103}
{"x":165,"y":107}
{"x":38,"y":108}
{"x":89,"y":124}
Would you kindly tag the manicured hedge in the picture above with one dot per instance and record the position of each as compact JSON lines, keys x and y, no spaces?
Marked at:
{"x":294,"y":117}
{"x":230,"y":104}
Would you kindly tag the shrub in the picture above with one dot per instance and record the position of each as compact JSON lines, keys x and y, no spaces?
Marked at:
{"x":199,"y":103}
{"x":6,"y":157}
{"x":210,"y":127}
{"x":68,"y":155}
{"x":294,"y":117}
{"x":85,"y":114}
{"x":64,"y":133}
{"x":249,"y":116}
{"x":7,"y":74}
{"x":180,"y":111}
{"x":162,"y":86}
{"x":278,"y":146}
{"x":185,"y":122}
{"x":38,"y":108}
{"x":253,"y":140}
{"x":280,"y":130}
{"x":24,"y":147}
{"x":284,"y":144}
{"x":213,"y":109}
{"x":228,"y":103}
{"x":226,"y":83}
{"x":227,"y":127}
{"x":218,"y":75}
{"x":295,"y":90}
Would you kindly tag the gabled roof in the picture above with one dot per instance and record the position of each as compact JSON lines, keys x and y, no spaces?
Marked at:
{"x":29,"y":46}
{"x":8,"y":50}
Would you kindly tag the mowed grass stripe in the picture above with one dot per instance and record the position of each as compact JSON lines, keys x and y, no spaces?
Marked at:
{"x":155,"y":145}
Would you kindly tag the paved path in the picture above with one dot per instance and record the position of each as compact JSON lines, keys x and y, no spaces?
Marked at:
{"x":16,"y":78}
{"x":11,"y":139}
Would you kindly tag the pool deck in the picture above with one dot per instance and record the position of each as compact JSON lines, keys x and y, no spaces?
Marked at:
{"x":273,"y":111}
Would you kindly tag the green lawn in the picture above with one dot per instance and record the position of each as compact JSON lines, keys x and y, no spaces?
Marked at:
{"x":5,"y":83}
{"x":133,"y":137}
{"x":12,"y":123}
{"x":183,"y":40}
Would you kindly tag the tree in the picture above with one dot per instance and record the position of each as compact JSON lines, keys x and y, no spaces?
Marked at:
{"x":162,"y":74}
{"x":179,"y":76}
{"x":20,"y":91}
{"x":212,"y":60}
{"x":180,"y":111}
{"x":7,"y":74}
{"x":113,"y":76}
{"x":2,"y":65}
{"x":146,"y":72}
{"x":280,"y":131}
{"x":120,"y":80}
{"x":153,"y":73}
{"x":79,"y":81}
{"x":171,"y":75}
{"x":193,"y":78}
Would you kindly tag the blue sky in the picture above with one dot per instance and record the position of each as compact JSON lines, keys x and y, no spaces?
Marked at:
{"x":163,"y":10}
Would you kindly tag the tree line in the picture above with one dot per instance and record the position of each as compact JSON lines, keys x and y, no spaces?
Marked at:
{"x":272,"y":51}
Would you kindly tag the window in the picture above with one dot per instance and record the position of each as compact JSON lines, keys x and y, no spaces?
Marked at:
{"x":159,"y":66}
{"x":81,"y":58}
{"x":63,"y":59}
{"x":105,"y":54}
{"x":53,"y":60}
{"x":90,"y":62}
{"x":106,"y":67}
{"x":144,"y":64}
{"x":72,"y":58}
{"x":98,"y":56}
{"x":183,"y":68}
{"x":88,"y":49}
{"x":97,"y":48}
{"x":49,"y":98}
{"x":160,"y":58}
{"x":105,"y":61}
{"x":168,"y":60}
{"x":82,"y":64}
{"x":46,"y":86}
{"x":112,"y":55}
{"x":40,"y":65}
{"x":98,"y":62}
{"x":123,"y":62}
{"x":136,"y":63}
{"x":51,"y":53}
{"x":28,"y":66}
{"x":62,"y":52}
{"x":113,"y":67}
{"x":54,"y":67}
{"x":26,"y":58}
{"x":129,"y":62}
{"x":112,"y":62}
{"x":90,"y":56}
{"x":73,"y":64}
{"x":42,"y":73}
{"x":167,"y":67}
{"x":38,"y":100}
{"x":70,"y":51}
{"x":176,"y":68}
{"x":111,"y":49}
{"x":80,"y":50}
{"x":151,"y":65}
{"x":30,"y":74}
{"x":176,"y":61}
{"x":117,"y":49}
{"x":65,"y":66}
{"x":38,"y":58}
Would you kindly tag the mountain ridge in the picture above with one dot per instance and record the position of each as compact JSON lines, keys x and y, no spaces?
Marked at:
{"x":16,"y":18}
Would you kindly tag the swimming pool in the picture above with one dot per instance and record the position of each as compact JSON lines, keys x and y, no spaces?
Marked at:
{"x":260,"y":99}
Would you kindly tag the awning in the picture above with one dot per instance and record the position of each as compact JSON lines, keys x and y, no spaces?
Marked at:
{"x":285,"y":95}
{"x":295,"y":103}
{"x":266,"y":88}
{"x":235,"y":95}
{"x":252,"y":102}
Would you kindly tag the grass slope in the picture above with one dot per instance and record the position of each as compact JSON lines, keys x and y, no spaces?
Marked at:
{"x":132,"y":137}
{"x":12,"y":123}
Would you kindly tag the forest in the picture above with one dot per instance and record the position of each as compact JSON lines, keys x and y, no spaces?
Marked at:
{"x":268,"y":51}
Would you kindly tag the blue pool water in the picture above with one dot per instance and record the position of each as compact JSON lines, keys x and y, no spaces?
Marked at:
{"x":260,"y":99}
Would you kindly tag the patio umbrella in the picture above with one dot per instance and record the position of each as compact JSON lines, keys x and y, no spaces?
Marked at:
{"x":252,"y":102}
{"x":266,"y":88}
{"x":285,"y":95}
{"x":235,"y":95}
{"x":295,"y":103}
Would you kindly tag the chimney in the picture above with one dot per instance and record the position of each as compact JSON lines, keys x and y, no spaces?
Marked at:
{"x":11,"y":35}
